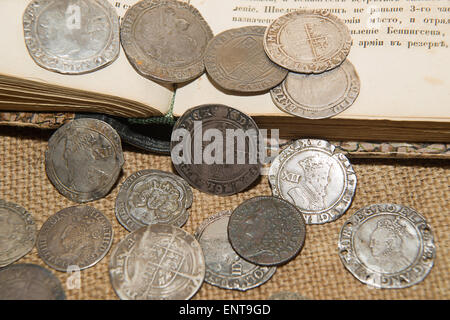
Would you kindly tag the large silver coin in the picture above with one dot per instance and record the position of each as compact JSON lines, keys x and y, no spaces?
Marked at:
{"x":153,"y":196}
{"x":71,"y":37}
{"x":235,"y":59}
{"x":157,"y":262}
{"x":83,"y":159}
{"x":319,"y":182}
{"x":387,"y":246}
{"x":165,"y":40}
{"x":74,"y":237}
{"x":224,"y":267}
{"x":17,"y":232}
{"x":29,"y":282}
{"x":308,"y":41}
{"x":318,"y":96}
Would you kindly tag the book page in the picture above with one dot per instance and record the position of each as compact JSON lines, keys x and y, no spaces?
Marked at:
{"x":400,"y":51}
{"x":119,"y":79}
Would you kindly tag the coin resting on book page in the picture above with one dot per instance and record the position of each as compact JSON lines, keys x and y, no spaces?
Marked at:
{"x":71,"y":37}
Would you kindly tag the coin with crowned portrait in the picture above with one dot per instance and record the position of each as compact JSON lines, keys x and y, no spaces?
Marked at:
{"x":157,"y":262}
{"x":153,"y":196}
{"x":83,"y":159}
{"x":77,"y":236}
{"x":224,"y":267}
{"x":387,"y":246}
{"x":29,"y":282}
{"x":165,"y":40}
{"x":318,"y":181}
{"x":308,"y":41}
{"x":71,"y":37}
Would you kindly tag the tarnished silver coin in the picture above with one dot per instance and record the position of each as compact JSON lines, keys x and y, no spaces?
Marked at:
{"x":83,"y":159}
{"x":165,"y":40}
{"x":287,"y":295}
{"x":74,"y":237}
{"x":318,"y":96}
{"x":235,"y":59}
{"x":157,"y":262}
{"x":17,"y":232}
{"x":319,"y":182}
{"x":387,"y":246}
{"x":71,"y":37}
{"x":29,"y":282}
{"x":153,"y":196}
{"x":308,"y":41}
{"x":267,"y":230}
{"x":224,"y":267}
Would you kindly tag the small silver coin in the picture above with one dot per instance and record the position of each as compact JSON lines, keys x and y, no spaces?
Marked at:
{"x":29,"y":282}
{"x":157,"y":262}
{"x":74,"y":237}
{"x":387,"y":246}
{"x":224,"y":267}
{"x":17,"y":232}
{"x":83,"y":159}
{"x":318,"y":96}
{"x":153,"y":196}
{"x":319,"y":182}
{"x":71,"y":37}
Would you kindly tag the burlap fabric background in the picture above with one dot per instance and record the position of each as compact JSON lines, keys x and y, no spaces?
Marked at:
{"x":316,"y":273}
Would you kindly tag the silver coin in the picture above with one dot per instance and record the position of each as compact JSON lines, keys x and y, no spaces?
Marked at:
{"x":224,"y":268}
{"x":83,"y":159}
{"x":157,"y":262}
{"x":287,"y":295}
{"x":308,"y":41}
{"x":319,"y":182}
{"x":165,"y":40}
{"x":29,"y":282}
{"x":74,"y":237}
{"x":17,"y":232}
{"x":153,"y":196}
{"x":387,"y":246}
{"x":71,"y":37}
{"x":318,"y":96}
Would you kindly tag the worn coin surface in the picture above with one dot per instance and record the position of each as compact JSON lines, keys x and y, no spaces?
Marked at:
{"x":153,"y":196}
{"x":29,"y":282}
{"x":215,"y":149}
{"x":267,"y":230}
{"x":387,"y":246}
{"x":287,"y":295}
{"x":165,"y":40}
{"x":71,"y":37}
{"x":319,"y":182}
{"x":83,"y":159}
{"x":308,"y":41}
{"x":157,"y":262}
{"x":235,"y":59}
{"x":17,"y":232}
{"x":318,"y":96}
{"x":224,"y":267}
{"x":74,"y":237}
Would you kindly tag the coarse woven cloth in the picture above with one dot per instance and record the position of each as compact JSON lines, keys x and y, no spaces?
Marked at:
{"x":316,"y":273}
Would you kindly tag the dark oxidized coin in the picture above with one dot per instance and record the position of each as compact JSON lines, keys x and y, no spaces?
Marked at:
{"x":215,"y":149}
{"x":267,"y":230}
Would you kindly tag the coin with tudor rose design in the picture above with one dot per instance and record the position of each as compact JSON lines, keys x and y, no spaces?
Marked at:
{"x":387,"y":246}
{"x":71,"y":37}
{"x":319,"y":182}
{"x":224,"y":267}
{"x":153,"y":196}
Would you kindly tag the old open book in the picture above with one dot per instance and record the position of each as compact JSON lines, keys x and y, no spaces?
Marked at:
{"x":400,"y":51}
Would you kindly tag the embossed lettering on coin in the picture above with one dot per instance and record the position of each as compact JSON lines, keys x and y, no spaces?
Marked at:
{"x":157,"y":262}
{"x":153,"y":196}
{"x":387,"y":246}
{"x":75,"y":236}
{"x":71,"y":37}
{"x":224,"y":267}
{"x":310,"y":175}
